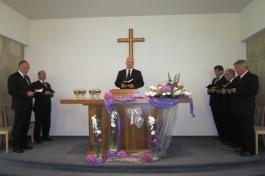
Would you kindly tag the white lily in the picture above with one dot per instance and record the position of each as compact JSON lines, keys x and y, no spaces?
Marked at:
{"x":151,"y":120}
{"x":178,"y":92}
{"x":152,"y":87}
{"x":93,"y":117}
{"x":98,"y":131}
{"x":187,"y":93}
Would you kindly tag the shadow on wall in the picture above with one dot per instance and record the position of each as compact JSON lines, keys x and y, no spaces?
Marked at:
{"x":256,"y":60}
{"x":11,"y":52}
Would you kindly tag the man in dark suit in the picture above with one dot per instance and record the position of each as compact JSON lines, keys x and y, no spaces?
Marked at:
{"x":245,"y":92}
{"x":42,"y":108}
{"x":19,"y":87}
{"x":129,"y":78}
{"x":235,"y":134}
{"x":226,"y":105}
{"x":214,"y":90}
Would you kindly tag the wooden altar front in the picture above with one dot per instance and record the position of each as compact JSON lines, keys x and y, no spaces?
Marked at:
{"x":132,"y":138}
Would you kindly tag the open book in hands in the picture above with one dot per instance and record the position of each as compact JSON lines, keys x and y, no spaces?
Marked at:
{"x":128,"y":82}
{"x":214,"y":87}
{"x":38,"y":90}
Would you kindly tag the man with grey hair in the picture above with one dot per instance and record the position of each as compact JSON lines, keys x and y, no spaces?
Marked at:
{"x":244,"y":106}
{"x":19,"y":87}
{"x":129,"y":78}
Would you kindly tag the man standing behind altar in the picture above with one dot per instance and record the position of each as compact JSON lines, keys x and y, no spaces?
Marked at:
{"x":42,"y":108}
{"x":129,"y":78}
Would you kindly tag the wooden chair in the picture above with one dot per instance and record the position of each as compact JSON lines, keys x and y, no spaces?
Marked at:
{"x":5,"y":130}
{"x":259,"y":130}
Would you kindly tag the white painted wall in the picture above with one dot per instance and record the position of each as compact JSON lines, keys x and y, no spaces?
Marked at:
{"x":13,"y":25}
{"x":84,"y":53}
{"x":252,"y":18}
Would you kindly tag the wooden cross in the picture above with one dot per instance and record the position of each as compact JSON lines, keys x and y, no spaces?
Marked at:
{"x":130,"y":40}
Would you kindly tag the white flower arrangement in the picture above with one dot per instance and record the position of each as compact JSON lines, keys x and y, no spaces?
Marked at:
{"x":151,"y":120}
{"x":151,"y":123}
{"x":113,"y":125}
{"x":113,"y":119}
{"x":171,"y":89}
{"x":97,"y":135}
{"x":95,"y":125}
{"x":153,"y":131}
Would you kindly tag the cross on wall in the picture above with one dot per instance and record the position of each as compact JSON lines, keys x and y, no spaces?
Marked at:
{"x":130,"y":40}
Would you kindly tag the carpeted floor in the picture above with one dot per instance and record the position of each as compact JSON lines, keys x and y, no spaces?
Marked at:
{"x":185,"y":155}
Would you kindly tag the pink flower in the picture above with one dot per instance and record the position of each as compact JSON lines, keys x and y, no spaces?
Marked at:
{"x":159,"y":87}
{"x":148,"y":157}
{"x":166,"y":89}
{"x":154,"y":141}
{"x":121,"y":154}
{"x":108,"y":95}
{"x":91,"y":158}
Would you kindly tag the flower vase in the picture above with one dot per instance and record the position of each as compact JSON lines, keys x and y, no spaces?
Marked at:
{"x":113,"y":146}
{"x":155,"y":156}
{"x":154,"y":153}
{"x":112,"y":143}
{"x":99,"y":151}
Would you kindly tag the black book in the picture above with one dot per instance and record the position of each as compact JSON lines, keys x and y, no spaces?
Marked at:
{"x":209,"y":86}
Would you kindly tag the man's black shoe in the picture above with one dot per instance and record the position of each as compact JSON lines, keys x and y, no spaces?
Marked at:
{"x":27,"y":147}
{"x":234,"y":146}
{"x":38,"y":142}
{"x":239,"y":151}
{"x":227,"y":143}
{"x":48,"y":139}
{"x":246,"y":153}
{"x":18,"y":150}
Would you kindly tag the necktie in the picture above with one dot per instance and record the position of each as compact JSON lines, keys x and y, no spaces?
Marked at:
{"x":44,"y":84}
{"x":217,"y":79}
{"x":129,"y":74}
{"x":25,"y":78}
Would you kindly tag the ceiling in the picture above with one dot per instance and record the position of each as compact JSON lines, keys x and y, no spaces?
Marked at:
{"x":45,"y":9}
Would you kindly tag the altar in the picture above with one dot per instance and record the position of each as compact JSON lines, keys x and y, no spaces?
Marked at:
{"x":132,"y":138}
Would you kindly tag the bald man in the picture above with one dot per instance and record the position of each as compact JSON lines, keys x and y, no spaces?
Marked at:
{"x":42,"y":108}
{"x":129,"y":78}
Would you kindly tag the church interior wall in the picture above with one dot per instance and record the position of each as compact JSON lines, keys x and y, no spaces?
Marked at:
{"x":252,"y":19}
{"x":13,"y":25}
{"x":84,"y":53}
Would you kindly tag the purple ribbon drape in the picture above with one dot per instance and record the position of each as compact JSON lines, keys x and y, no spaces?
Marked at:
{"x":168,"y":103}
{"x":156,"y":102}
{"x":126,"y":99}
